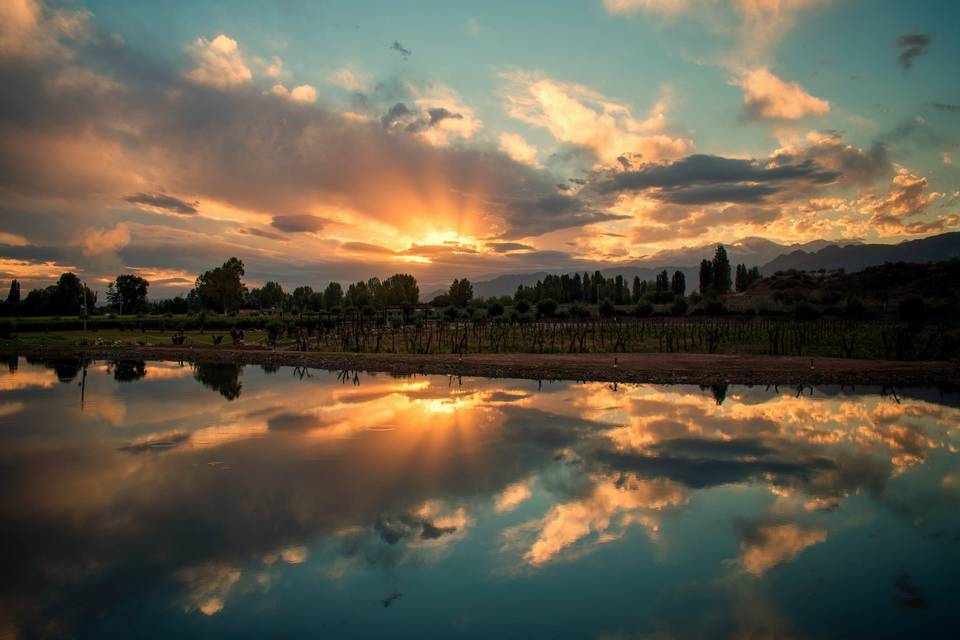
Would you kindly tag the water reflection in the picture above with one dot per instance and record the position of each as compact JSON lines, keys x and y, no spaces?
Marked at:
{"x":290,"y":502}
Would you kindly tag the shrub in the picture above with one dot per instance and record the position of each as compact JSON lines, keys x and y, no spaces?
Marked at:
{"x":8,"y":327}
{"x":679,"y":307}
{"x":643,"y":309}
{"x":912,"y":310}
{"x":855,"y":309}
{"x":522,"y":306}
{"x":714,"y":308}
{"x":579,"y":310}
{"x":607,"y":309}
{"x":804,"y":311}
{"x":546,"y":307}
{"x":495,"y":309}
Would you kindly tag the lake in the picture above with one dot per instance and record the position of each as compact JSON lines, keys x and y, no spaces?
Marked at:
{"x":160,"y":500}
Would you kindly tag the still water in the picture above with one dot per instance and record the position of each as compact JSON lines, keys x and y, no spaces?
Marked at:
{"x":163,"y":500}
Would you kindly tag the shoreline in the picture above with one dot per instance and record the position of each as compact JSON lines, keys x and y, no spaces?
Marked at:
{"x":651,"y":368}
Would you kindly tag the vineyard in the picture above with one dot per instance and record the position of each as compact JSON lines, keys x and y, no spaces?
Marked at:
{"x":757,"y":336}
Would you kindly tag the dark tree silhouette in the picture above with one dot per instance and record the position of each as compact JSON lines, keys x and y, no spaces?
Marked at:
{"x":14,"y":296}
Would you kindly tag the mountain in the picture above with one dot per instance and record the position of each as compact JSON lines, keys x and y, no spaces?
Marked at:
{"x":860,"y":256}
{"x":753,"y":252}
{"x":749,"y":251}
{"x":770,"y":256}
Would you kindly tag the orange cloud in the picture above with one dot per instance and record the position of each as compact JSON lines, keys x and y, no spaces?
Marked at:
{"x":575,"y":114}
{"x":771,"y":545}
{"x":767,"y":96}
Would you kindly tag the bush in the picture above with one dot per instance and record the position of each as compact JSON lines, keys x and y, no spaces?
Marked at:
{"x":643,"y":309}
{"x":607,"y":309}
{"x":804,"y":311}
{"x":855,"y":309}
{"x":579,"y":310}
{"x":495,"y":309}
{"x":546,"y":307}
{"x":912,"y":310}
{"x":679,"y":307}
{"x":714,"y":308}
{"x":8,"y":328}
{"x":522,"y":306}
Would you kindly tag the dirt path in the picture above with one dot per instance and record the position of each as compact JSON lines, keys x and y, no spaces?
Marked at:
{"x":683,"y":368}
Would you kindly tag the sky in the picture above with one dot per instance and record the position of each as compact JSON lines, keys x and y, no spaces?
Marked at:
{"x":323,"y":141}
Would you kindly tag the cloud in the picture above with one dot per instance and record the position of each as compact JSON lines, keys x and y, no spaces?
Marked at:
{"x":30,"y":30}
{"x":946,"y":107}
{"x":768,"y":97}
{"x":219,"y":63}
{"x":399,"y":48}
{"x":162,"y":201}
{"x":303,"y":94}
{"x":437,"y":115}
{"x":698,"y":170}
{"x":661,"y":7}
{"x":350,"y":79}
{"x":97,"y":242}
{"x":512,"y":497}
{"x":302,"y":223}
{"x":763,"y":547}
{"x":519,"y":149}
{"x":505,"y":247}
{"x":912,"y":45}
{"x":575,"y":114}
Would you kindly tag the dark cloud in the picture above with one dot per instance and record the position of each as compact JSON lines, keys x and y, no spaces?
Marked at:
{"x":303,"y":223}
{"x":395,"y":115}
{"x":706,"y":179}
{"x":400,"y":116}
{"x":551,"y":213}
{"x":946,"y":106}
{"x":163,"y":201}
{"x":706,"y":169}
{"x":260,"y":233}
{"x":743,"y":193}
{"x":912,"y":45}
{"x":504,"y":247}
{"x":399,"y":48}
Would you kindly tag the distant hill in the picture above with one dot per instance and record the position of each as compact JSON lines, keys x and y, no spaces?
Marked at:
{"x":749,"y":251}
{"x":753,"y":252}
{"x":860,"y":256}
{"x":770,"y":256}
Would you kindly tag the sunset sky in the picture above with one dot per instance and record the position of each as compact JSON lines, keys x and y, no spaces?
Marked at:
{"x":324,"y":141}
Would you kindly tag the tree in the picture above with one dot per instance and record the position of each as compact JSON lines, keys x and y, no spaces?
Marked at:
{"x":635,"y":293}
{"x":721,"y":270}
{"x":706,"y":276}
{"x":461,"y":293}
{"x":358,"y":295}
{"x":301,"y":298}
{"x":129,"y":293}
{"x":14,"y":296}
{"x":332,"y":296}
{"x":221,"y":288}
{"x":663,"y":281}
{"x":679,"y":283}
{"x":401,"y":288}
{"x":740,"y":279}
{"x":271,"y":295}
{"x":69,"y":294}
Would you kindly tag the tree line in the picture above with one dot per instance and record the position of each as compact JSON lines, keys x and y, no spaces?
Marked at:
{"x":222,"y":290}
